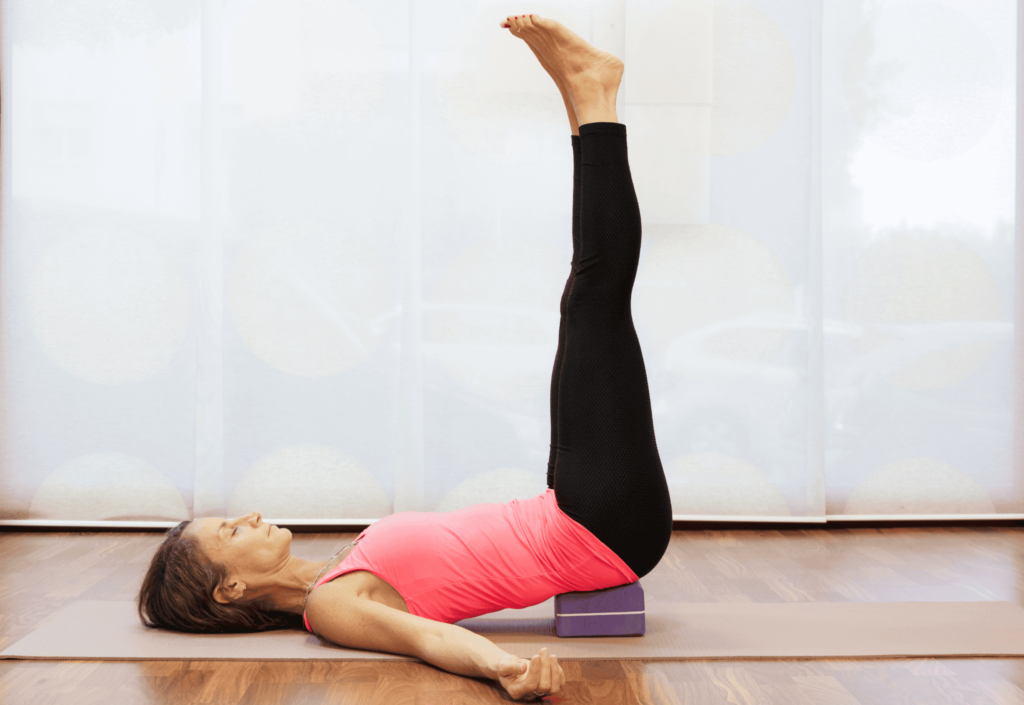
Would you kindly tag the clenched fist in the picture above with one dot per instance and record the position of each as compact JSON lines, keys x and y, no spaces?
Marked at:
{"x":521,"y":678}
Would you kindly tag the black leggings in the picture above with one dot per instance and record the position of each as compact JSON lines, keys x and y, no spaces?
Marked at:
{"x":604,"y":464}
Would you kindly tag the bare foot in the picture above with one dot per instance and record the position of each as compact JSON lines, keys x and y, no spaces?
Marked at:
{"x":573,"y":122}
{"x":590,"y":76}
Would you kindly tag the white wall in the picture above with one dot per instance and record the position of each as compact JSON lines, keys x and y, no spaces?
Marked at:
{"x":305,"y":256}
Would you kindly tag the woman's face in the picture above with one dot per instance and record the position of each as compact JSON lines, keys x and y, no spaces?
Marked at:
{"x":251,"y":550}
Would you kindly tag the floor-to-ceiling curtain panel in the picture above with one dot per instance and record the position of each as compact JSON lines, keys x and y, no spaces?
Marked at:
{"x":305,"y":256}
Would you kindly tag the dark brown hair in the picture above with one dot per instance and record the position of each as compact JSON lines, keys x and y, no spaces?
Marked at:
{"x":177,"y":593}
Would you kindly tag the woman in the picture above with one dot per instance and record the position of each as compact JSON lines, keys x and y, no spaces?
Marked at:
{"x":605,"y":520}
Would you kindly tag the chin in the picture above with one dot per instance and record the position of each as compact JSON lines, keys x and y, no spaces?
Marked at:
{"x":282,"y":538}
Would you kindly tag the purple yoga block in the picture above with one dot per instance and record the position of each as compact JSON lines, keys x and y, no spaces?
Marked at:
{"x":615,"y":611}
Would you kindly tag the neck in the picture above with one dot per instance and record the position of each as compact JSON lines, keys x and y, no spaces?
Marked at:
{"x":288,"y":590}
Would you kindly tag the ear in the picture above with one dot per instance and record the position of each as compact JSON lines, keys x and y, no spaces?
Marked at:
{"x":229,"y":591}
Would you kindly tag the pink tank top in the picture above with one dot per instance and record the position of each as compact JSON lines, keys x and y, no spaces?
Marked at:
{"x":483,"y":558}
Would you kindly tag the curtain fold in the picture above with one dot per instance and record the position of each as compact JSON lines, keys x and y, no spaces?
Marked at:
{"x":408,"y":434}
{"x":305,"y":256}
{"x":209,"y":465}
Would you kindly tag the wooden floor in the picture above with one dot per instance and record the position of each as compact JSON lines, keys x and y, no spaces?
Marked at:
{"x":43,"y":572}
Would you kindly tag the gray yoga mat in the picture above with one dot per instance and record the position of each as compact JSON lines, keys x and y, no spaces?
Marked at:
{"x":94,"y":630}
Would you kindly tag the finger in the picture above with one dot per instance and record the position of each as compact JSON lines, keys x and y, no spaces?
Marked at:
{"x":545,"y":672}
{"x":533,"y":677}
{"x":556,"y":674}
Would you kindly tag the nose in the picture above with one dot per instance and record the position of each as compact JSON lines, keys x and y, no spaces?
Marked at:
{"x":252,"y":519}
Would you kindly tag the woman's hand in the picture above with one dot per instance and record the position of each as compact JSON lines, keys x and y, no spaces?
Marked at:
{"x":521,"y":677}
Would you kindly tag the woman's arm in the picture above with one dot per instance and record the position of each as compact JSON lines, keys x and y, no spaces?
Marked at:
{"x":361,"y":623}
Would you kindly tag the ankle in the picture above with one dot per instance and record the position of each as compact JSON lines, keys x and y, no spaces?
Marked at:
{"x":599,"y":111}
{"x":570,"y":111}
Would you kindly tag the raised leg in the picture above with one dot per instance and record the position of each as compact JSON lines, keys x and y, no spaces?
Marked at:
{"x":608,"y":472}
{"x":604,"y":466}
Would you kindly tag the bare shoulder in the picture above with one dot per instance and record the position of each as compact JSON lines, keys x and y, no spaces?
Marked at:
{"x":338,"y":614}
{"x":338,"y":591}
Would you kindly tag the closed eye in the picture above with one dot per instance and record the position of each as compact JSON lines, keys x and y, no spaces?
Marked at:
{"x":235,"y":531}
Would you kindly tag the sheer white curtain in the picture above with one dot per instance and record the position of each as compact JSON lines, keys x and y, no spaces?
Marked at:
{"x":305,"y":256}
